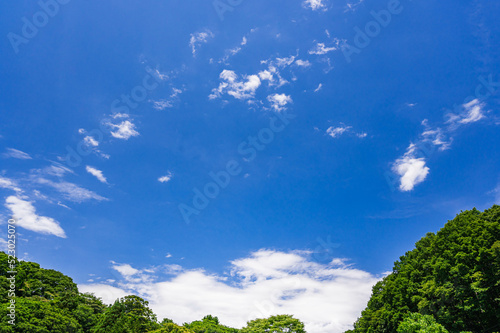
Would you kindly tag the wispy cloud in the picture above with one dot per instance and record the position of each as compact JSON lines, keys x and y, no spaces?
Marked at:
{"x":96,"y":173}
{"x":328,"y":298}
{"x":25,"y":214}
{"x":411,"y":167}
{"x":9,"y":184}
{"x":468,"y":113}
{"x":70,"y":191}
{"x":321,"y":48}
{"x":14,"y":153}
{"x":335,"y":132}
{"x":199,"y":38}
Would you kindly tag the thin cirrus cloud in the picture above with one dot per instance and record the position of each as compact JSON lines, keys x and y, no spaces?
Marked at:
{"x":336,"y":132}
{"x":14,"y":153}
{"x":327,"y":297}
{"x":26,"y":217}
{"x":411,"y":168}
{"x":321,"y":48}
{"x":199,"y":38}
{"x":96,"y":173}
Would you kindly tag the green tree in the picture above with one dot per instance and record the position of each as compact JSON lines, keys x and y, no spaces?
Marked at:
{"x":129,"y":314}
{"x":209,"y":324}
{"x":275,"y":324}
{"x":453,"y":275}
{"x":37,"y":315}
{"x":418,"y":323}
{"x":171,"y":328}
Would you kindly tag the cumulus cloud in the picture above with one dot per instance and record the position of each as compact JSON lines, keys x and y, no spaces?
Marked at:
{"x":239,"y":89}
{"x":14,"y":153}
{"x":96,"y":173}
{"x":166,"y":178}
{"x":124,"y":130}
{"x":314,"y":4}
{"x":279,"y":101}
{"x":328,"y":298}
{"x":411,"y":168}
{"x":199,"y":38}
{"x":25,"y":214}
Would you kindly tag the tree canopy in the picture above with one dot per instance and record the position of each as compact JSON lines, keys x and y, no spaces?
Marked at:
{"x":453,"y":275}
{"x":450,"y":282}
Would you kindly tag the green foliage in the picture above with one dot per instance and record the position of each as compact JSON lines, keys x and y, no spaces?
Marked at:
{"x":171,"y":328}
{"x":275,"y":324}
{"x":209,"y":324}
{"x":418,"y":323}
{"x":453,"y":275}
{"x":37,"y":315}
{"x":129,"y":314}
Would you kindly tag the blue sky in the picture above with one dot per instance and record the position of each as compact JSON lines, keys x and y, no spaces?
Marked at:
{"x":341,"y":133}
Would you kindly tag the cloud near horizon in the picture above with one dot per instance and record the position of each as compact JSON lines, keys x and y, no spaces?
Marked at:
{"x":327,"y":297}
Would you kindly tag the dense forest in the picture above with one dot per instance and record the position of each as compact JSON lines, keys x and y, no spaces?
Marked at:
{"x":450,"y":282}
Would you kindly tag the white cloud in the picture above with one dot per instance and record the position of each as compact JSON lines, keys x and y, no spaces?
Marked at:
{"x":125,"y":130}
{"x":321,"y":49}
{"x":335,"y":132}
{"x":109,"y":294}
{"x":166,"y":178}
{"x":314,"y":4}
{"x":199,"y":38}
{"x":362,"y":135}
{"x":14,"y":153}
{"x":319,"y":87}
{"x":279,"y":101}
{"x":474,"y":112}
{"x":70,"y":191}
{"x":302,"y":63}
{"x":25,"y":214}
{"x":411,"y":169}
{"x":162,"y":104}
{"x":125,"y":269}
{"x":470,"y":112}
{"x":90,"y":141}
{"x":96,"y":173}
{"x":244,"y":89}
{"x":352,"y":6}
{"x":9,"y":184}
{"x":328,"y":298}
